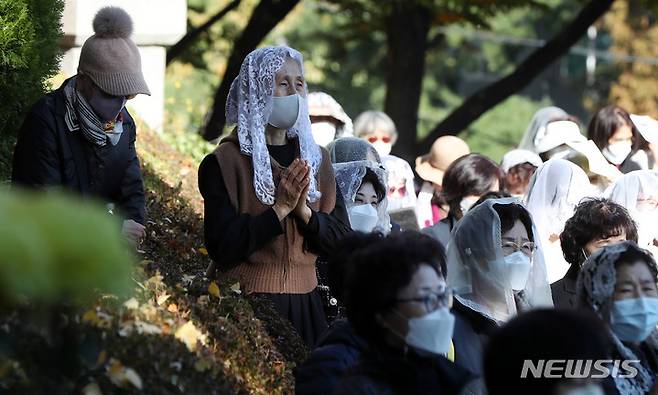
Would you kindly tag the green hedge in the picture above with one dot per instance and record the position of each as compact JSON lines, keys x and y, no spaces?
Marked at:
{"x":29,"y":55}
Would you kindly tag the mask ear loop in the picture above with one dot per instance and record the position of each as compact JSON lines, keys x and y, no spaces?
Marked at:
{"x":585,"y":256}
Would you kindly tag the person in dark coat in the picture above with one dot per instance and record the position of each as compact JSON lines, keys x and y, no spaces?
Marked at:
{"x":339,"y":347}
{"x":80,"y":137}
{"x":398,"y":301}
{"x":544,"y":335}
{"x":595,"y":224}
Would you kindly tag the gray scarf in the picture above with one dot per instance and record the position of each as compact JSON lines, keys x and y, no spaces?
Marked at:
{"x":80,"y":116}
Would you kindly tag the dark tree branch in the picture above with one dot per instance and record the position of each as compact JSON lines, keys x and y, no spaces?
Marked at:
{"x":484,"y":99}
{"x":175,"y":50}
{"x":407,"y":29}
{"x":266,"y":15}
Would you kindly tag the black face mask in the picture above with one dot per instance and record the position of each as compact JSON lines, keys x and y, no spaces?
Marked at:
{"x":107,"y":107}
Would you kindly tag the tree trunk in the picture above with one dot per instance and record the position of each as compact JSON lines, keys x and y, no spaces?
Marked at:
{"x":175,"y":50}
{"x":266,"y":15}
{"x":483,"y":100}
{"x":407,"y":29}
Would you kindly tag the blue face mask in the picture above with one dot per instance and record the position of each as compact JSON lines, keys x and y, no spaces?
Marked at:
{"x":633,"y":320}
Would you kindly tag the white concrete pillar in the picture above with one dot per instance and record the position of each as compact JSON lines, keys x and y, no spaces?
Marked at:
{"x":157,"y":23}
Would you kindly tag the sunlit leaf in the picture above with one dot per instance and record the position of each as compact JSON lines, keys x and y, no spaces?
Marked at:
{"x":213,"y":289}
{"x":131,"y":304}
{"x":162,"y":298}
{"x":121,"y":376}
{"x":190,"y":335}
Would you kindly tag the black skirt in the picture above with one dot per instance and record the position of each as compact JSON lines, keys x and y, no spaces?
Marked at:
{"x":304,"y":311}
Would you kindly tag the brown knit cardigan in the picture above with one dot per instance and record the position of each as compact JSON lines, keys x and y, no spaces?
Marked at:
{"x":284,"y":265}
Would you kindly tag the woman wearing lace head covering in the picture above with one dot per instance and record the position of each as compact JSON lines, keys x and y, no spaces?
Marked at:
{"x":619,"y":284}
{"x":270,"y":196}
{"x":637,"y":191}
{"x":554,"y":191}
{"x":362,"y":182}
{"x":496,"y":268}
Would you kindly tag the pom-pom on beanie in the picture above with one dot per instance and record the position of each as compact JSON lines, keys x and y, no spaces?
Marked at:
{"x":110,"y":58}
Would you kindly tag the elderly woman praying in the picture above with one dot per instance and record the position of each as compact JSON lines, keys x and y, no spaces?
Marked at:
{"x":270,"y":196}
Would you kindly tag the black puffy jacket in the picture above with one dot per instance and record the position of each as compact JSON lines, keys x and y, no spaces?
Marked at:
{"x":48,"y":155}
{"x":337,"y":350}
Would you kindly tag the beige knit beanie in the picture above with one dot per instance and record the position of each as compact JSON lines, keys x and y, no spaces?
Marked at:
{"x":110,"y":58}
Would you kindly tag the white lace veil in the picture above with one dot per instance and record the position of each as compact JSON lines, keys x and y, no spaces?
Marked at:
{"x":349,"y":176}
{"x":595,"y":289}
{"x":351,"y":157}
{"x":350,"y":149}
{"x":554,"y":191}
{"x":476,"y":243}
{"x":399,"y":169}
{"x":640,"y":184}
{"x":537,"y":127}
{"x":249,"y":104}
{"x":631,"y":186}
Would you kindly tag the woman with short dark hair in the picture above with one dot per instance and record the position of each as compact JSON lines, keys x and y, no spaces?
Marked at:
{"x":398,"y":301}
{"x":619,"y":140}
{"x":465,"y":180}
{"x":595,"y":224}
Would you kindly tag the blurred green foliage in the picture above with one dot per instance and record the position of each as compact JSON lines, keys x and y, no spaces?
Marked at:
{"x":29,"y":33}
{"x":55,"y":248}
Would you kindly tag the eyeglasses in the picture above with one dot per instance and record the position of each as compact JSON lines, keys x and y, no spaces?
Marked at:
{"x":647,"y":204}
{"x":374,"y":139}
{"x":510,"y":247}
{"x":432,"y":301}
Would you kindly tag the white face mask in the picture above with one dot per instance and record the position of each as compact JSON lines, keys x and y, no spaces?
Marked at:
{"x":363,"y":217}
{"x":323,"y":132}
{"x":513,"y":270}
{"x":616,"y":153}
{"x":382,"y":148}
{"x":431,"y":332}
{"x":285,"y":111}
{"x":466,"y":205}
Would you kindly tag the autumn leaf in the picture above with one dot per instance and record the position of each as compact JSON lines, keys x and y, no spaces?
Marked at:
{"x":90,"y":317}
{"x":202,"y":365}
{"x":172,"y":308}
{"x":148,"y":329}
{"x":102,"y":357}
{"x":236,"y":288}
{"x":190,"y":335}
{"x":162,"y":298}
{"x":213,"y":289}
{"x":91,"y":389}
{"x":120,"y":375}
{"x":131,"y":304}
